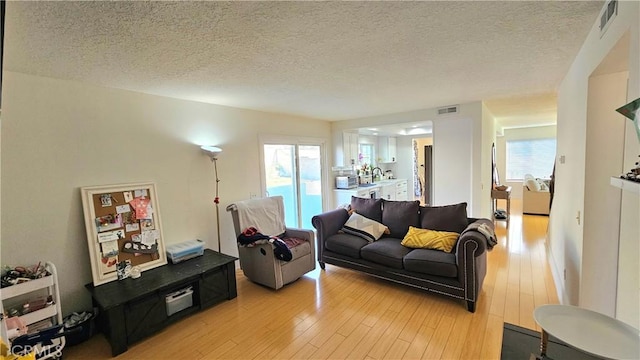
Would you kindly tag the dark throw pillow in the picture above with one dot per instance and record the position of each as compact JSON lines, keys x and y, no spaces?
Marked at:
{"x":451,"y":218}
{"x":369,"y":208}
{"x":399,"y":215}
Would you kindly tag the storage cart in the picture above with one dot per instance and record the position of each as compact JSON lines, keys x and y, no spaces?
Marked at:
{"x":38,"y":327}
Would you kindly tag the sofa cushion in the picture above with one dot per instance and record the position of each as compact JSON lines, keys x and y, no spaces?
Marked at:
{"x":363,"y":227}
{"x":345,"y":244}
{"x":430,"y":239}
{"x":444,"y":218}
{"x":432,"y":262}
{"x":399,"y":215}
{"x":370,"y":208}
{"x":386,"y":251}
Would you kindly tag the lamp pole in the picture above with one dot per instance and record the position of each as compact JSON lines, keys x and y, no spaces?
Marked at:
{"x":214,"y":159}
{"x":212,"y":152}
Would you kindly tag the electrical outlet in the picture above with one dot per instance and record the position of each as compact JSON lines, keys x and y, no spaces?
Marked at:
{"x":578,"y":217}
{"x":252,"y":195}
{"x":562,"y":159}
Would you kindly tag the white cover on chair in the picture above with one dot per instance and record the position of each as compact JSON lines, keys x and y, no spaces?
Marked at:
{"x":265,"y":214}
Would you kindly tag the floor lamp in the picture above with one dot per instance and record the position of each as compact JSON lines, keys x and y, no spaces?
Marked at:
{"x":212,"y":152}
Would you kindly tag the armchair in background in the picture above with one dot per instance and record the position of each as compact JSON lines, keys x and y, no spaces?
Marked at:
{"x":535,"y":196}
{"x":258,"y":262}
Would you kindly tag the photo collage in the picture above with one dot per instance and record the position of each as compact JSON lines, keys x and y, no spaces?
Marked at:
{"x":126,"y":230}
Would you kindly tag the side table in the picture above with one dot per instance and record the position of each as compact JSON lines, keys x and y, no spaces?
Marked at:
{"x":588,"y":331}
{"x":501,"y":194}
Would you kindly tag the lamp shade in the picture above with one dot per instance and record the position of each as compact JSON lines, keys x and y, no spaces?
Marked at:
{"x":211,"y":151}
{"x":632,"y":111}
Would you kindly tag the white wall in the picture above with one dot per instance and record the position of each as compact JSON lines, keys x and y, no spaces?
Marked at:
{"x":58,"y":136}
{"x":457,"y":130}
{"x":565,"y":233}
{"x":600,"y":258}
{"x":537,"y":132}
{"x":404,"y":162}
{"x":452,"y":162}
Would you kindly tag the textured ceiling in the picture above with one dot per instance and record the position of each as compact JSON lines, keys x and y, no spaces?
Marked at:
{"x":325,"y":60}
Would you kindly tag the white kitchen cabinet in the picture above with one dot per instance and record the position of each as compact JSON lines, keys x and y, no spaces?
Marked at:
{"x":343,"y":196}
{"x":388,"y":192}
{"x":387,"y":149}
{"x":401,"y":190}
{"x":350,"y":148}
{"x":366,"y":192}
{"x":34,"y":292}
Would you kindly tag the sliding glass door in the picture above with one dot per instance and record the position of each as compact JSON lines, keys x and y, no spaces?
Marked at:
{"x":294,"y":171}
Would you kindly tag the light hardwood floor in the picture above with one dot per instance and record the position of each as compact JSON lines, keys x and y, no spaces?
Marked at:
{"x":340,"y":313}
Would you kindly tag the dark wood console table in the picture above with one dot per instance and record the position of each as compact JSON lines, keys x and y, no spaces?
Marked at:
{"x":132,"y":309}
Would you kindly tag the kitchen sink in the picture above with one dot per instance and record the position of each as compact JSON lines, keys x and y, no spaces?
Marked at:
{"x":367,"y":185}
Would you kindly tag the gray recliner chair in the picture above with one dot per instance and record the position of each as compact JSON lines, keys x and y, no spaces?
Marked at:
{"x":258,"y":262}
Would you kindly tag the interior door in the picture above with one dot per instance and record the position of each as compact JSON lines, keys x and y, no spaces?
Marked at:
{"x":294,"y":171}
{"x":428,"y":171}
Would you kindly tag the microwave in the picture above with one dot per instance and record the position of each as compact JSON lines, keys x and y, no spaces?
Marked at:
{"x":346,"y":182}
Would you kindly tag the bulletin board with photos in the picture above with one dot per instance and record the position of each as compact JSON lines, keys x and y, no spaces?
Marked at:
{"x":123,"y":230}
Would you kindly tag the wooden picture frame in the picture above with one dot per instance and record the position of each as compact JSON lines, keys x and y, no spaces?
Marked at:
{"x":123,"y":227}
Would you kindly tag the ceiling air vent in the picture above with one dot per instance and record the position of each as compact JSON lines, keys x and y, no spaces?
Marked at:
{"x":607,"y":14}
{"x":448,"y":110}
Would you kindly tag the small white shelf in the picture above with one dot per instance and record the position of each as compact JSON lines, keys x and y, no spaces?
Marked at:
{"x":53,"y":313}
{"x":25,"y":287}
{"x":38,"y":315}
{"x":626,"y":185}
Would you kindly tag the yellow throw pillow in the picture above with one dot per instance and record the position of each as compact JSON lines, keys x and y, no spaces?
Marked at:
{"x":417,"y":238}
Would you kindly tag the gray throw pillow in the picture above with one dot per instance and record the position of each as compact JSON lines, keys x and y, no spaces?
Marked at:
{"x":444,"y":218}
{"x":369,"y":208}
{"x":399,"y":215}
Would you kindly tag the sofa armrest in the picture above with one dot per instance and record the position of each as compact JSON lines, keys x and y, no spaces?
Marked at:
{"x":327,"y":224}
{"x":472,"y":238}
{"x":308,"y":235}
{"x":471,"y":258}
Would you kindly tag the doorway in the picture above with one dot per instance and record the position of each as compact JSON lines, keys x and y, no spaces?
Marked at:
{"x":423,"y":170}
{"x":293,"y":170}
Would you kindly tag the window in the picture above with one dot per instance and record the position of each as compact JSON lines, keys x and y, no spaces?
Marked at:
{"x":366,"y":154}
{"x":535,"y":157}
{"x":293,"y":170}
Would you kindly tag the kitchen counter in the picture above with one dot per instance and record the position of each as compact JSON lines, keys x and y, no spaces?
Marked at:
{"x":389,"y":189}
{"x":376,"y":184}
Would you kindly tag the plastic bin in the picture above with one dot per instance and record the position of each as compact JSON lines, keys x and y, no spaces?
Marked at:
{"x":185,"y":250}
{"x":15,"y":327}
{"x":80,"y":331}
{"x":179,"y":300}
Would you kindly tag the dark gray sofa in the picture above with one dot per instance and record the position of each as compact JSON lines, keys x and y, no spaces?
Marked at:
{"x":458,"y":274}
